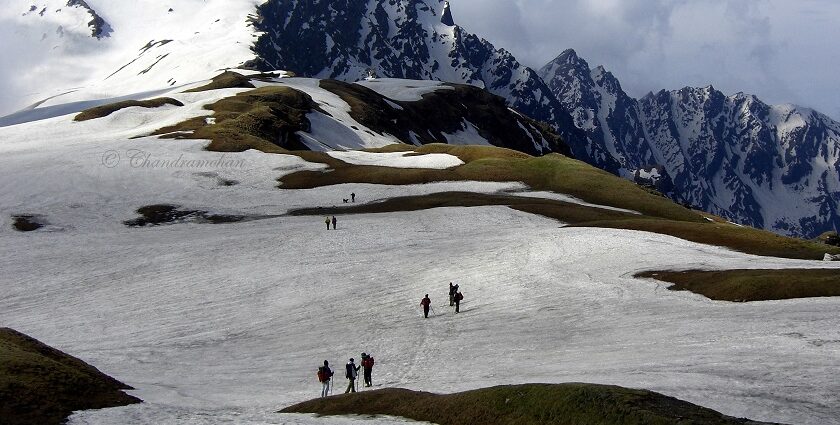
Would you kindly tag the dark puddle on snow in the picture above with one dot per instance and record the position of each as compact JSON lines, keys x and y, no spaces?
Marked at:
{"x":28,"y":223}
{"x":156,"y":215}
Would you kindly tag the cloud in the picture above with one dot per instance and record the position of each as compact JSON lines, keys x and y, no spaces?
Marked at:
{"x":781,"y":51}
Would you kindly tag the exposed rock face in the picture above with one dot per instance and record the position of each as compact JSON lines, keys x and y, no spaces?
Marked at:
{"x":773,"y":167}
{"x":98,"y":26}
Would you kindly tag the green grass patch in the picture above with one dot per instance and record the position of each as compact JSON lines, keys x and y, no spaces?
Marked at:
{"x":225,"y":80}
{"x":105,"y":110}
{"x":753,"y":285}
{"x":556,"y":173}
{"x":266,"y":119}
{"x":564,"y":211}
{"x":531,"y":404}
{"x":41,"y":385}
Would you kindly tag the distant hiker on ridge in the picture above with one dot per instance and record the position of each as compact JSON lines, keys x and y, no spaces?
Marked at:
{"x":325,"y":376}
{"x":451,"y":294}
{"x":333,"y":222}
{"x":327,"y":220}
{"x":458,"y":297}
{"x":353,"y":197}
{"x":352,"y":373}
{"x":426,"y":303}
{"x":367,"y":363}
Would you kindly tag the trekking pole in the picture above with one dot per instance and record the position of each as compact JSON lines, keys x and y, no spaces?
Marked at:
{"x":433,"y":310}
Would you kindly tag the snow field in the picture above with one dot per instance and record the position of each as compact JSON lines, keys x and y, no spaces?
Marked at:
{"x":228,"y":323}
{"x":209,"y":320}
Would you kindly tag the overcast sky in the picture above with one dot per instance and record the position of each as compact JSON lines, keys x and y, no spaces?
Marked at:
{"x":784,"y":51}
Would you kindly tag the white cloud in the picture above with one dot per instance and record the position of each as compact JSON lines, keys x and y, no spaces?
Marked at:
{"x":780,"y":50}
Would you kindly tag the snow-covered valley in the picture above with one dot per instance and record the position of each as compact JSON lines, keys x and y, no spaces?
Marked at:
{"x":227,"y":323}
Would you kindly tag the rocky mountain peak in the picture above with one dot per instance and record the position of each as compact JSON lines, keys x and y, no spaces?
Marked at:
{"x":446,"y":16}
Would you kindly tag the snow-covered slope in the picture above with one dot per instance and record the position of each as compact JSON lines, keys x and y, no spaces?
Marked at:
{"x":59,"y":51}
{"x":227,"y":323}
{"x":772,"y":167}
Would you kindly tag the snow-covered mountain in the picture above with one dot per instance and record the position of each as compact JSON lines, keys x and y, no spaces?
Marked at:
{"x":774,"y":167}
{"x":60,"y":51}
{"x":414,"y":39}
{"x":769,"y":166}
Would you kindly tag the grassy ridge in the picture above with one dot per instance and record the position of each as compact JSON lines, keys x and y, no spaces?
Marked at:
{"x":262,"y":119}
{"x":555,"y":173}
{"x":565,"y":211}
{"x":532,"y":404}
{"x":753,"y":285}
{"x":105,"y":110}
{"x":41,"y":385}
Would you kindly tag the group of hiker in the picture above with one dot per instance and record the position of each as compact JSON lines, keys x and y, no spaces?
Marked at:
{"x":351,"y":372}
{"x":332,"y":220}
{"x":455,"y":298}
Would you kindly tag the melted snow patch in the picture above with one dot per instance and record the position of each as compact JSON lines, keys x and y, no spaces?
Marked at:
{"x":437,"y":161}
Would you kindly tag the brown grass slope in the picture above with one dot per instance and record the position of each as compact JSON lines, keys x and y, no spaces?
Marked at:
{"x":41,"y":385}
{"x":753,"y":285}
{"x":265,"y":119}
{"x":532,"y":404}
{"x":105,"y":110}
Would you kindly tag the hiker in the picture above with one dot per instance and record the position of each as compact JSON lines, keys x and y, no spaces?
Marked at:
{"x":367,"y":363}
{"x":352,"y":373}
{"x":426,"y":303}
{"x":451,"y":294}
{"x":325,"y":376}
{"x":327,"y":220}
{"x":353,"y":197}
{"x":333,"y":222}
{"x":458,"y":297}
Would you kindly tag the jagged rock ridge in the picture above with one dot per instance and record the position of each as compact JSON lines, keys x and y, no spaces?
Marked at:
{"x":773,"y":167}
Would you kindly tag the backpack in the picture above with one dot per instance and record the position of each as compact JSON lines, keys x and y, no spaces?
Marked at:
{"x":351,"y":371}
{"x":368,"y":362}
{"x":323,"y":375}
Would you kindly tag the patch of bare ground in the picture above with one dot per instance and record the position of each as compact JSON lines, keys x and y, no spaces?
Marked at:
{"x":41,"y":385}
{"x":105,"y":110}
{"x":531,"y":404}
{"x":753,"y":285}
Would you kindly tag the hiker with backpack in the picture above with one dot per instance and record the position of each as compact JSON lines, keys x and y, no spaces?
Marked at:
{"x":333,"y":222}
{"x":426,"y":303}
{"x":328,"y":223}
{"x":367,"y":363}
{"x":451,"y":294}
{"x":325,"y":377}
{"x":458,"y":297}
{"x":352,"y":372}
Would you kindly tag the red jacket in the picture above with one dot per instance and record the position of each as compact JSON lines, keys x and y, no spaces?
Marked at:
{"x":367,"y":363}
{"x":426,"y":302}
